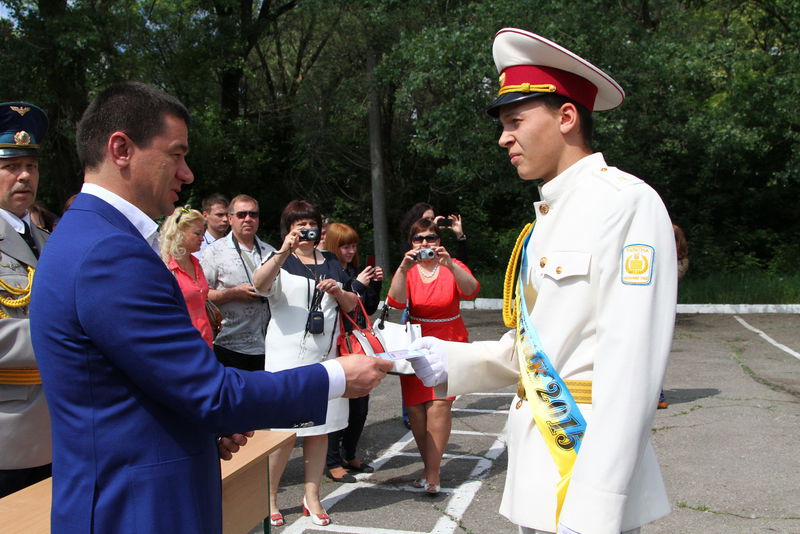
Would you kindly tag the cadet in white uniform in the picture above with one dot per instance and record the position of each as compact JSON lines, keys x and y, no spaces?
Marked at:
{"x":599,"y":290}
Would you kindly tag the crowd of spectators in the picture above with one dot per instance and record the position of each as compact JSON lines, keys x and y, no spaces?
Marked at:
{"x":280,"y":309}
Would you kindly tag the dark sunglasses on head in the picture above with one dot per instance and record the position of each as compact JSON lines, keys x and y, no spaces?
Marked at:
{"x":419,"y":238}
{"x":184,"y":209}
{"x":243,"y":214}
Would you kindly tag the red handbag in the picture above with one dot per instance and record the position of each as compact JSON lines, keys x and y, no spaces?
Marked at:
{"x":358,"y":340}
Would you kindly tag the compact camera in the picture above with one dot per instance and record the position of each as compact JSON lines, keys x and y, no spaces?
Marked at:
{"x":309,"y":234}
{"x":425,"y":254}
{"x":315,"y":324}
{"x":445,"y":222}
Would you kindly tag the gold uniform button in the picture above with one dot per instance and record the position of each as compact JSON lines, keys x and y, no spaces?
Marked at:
{"x":542,"y":262}
{"x":603,"y":169}
{"x":559,"y":270}
{"x":544,"y":209}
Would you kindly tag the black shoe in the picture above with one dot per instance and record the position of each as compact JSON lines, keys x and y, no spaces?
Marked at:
{"x":362,"y":468}
{"x":347,"y":478}
{"x":407,"y":423}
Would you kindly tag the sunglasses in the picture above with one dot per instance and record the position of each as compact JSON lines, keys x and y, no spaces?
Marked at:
{"x":430,"y":238}
{"x":184,"y":209}
{"x":242,"y":214}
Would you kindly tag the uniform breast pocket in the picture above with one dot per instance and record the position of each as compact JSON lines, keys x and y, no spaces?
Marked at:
{"x":566,"y":265}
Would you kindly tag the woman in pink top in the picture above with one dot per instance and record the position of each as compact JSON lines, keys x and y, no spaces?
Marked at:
{"x":181,"y":235}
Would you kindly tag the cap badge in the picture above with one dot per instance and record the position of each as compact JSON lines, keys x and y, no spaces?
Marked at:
{"x":22,"y":138}
{"x":502,"y":79}
{"x":22,"y":110}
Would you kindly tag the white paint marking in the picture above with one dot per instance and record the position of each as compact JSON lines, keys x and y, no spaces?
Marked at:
{"x":457,"y":503}
{"x":473,"y":410}
{"x":497,"y":304}
{"x":490,"y":394}
{"x":768,"y":339}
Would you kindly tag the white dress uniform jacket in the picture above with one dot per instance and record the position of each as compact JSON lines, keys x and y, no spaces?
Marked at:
{"x":24,"y":419}
{"x":605,"y":312}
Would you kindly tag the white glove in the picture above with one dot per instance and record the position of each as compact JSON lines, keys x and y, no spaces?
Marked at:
{"x":432,"y":367}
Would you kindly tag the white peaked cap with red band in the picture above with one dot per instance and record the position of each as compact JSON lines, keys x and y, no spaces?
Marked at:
{"x":530,"y":66}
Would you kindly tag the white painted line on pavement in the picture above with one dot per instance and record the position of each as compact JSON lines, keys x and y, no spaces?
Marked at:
{"x":475,"y":433}
{"x":458,"y":501}
{"x":475,"y":410}
{"x":497,"y":304}
{"x":764,"y":336}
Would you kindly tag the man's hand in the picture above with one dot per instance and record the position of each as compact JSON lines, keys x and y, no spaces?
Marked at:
{"x":229,"y":444}
{"x":243,"y":292}
{"x":362,"y":374}
{"x":432,"y":367}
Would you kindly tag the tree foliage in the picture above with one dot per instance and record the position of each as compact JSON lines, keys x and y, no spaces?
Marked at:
{"x":279,"y":93}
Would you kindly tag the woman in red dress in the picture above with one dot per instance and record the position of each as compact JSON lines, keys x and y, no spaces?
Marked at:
{"x":431,"y":285}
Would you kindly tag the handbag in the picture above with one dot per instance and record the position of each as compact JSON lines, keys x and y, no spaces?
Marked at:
{"x":358,"y":340}
{"x":214,"y":318}
{"x":397,"y":336}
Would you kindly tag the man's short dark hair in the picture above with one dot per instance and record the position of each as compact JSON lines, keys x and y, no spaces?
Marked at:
{"x":296,"y":210}
{"x":133,"y":108}
{"x":213,"y":199}
{"x":555,"y":101}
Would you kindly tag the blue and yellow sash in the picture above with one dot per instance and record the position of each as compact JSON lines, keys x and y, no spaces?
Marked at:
{"x":554,"y":409}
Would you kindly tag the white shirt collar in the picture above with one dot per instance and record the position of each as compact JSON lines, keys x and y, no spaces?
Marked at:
{"x":229,"y":237}
{"x":16,"y":222}
{"x":551,"y":191}
{"x":139,"y":219}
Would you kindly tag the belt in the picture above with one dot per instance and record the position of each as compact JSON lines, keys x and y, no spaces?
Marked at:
{"x":581,"y":391}
{"x":20,"y":377}
{"x":423,"y":320}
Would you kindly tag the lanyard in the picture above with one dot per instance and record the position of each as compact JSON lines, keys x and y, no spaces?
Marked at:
{"x":247,"y":263}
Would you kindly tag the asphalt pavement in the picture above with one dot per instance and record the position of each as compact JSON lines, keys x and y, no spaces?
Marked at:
{"x":727,"y":444}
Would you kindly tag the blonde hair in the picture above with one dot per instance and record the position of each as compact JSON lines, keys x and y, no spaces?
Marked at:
{"x":170,"y":238}
{"x":338,"y":235}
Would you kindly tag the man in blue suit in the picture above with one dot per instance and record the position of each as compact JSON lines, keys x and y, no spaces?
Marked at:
{"x":137,"y":399}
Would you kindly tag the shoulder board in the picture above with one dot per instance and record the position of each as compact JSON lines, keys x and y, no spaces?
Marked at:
{"x":616,"y":178}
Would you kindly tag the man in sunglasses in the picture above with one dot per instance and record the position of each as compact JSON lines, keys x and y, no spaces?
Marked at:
{"x":228,"y":264}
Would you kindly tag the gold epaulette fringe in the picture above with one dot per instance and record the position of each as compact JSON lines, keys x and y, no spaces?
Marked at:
{"x":509,"y":313}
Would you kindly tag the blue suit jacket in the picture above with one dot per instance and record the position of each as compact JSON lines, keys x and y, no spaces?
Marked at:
{"x":136,"y":396}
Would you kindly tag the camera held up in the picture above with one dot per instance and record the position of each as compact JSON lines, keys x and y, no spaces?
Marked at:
{"x":425,"y":254}
{"x":309,"y":234}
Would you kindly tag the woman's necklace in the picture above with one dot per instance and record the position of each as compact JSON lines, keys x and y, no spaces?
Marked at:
{"x":312,"y":273}
{"x":426,"y":274}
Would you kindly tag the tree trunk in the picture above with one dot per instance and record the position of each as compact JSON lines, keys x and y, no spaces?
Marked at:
{"x":380,"y":226}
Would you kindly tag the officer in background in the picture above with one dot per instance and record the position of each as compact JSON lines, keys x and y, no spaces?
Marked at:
{"x":24,"y":419}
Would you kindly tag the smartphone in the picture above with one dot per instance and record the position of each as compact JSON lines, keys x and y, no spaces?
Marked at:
{"x":371,"y":260}
{"x":445,"y":222}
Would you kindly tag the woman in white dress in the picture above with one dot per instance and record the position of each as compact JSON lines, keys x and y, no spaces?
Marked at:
{"x":304,"y":287}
